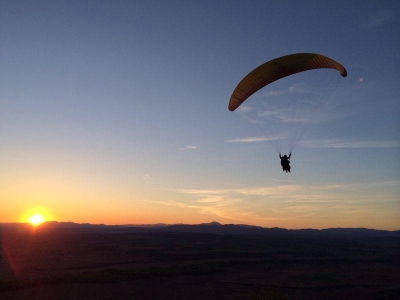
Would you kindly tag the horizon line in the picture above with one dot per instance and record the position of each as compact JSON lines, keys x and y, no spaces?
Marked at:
{"x":188,"y":224}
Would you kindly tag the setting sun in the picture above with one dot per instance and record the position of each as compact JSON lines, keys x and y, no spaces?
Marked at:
{"x":36,"y":220}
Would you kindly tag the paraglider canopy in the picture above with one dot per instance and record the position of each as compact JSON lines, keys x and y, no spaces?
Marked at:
{"x":279,"y":68}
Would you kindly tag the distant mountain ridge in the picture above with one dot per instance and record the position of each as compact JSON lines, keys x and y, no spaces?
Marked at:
{"x":216,"y":228}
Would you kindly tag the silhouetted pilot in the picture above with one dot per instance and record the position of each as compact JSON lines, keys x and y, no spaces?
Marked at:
{"x":285,"y":162}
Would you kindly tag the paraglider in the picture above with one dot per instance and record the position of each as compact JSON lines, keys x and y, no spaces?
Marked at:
{"x":285,"y":162}
{"x":272,"y":71}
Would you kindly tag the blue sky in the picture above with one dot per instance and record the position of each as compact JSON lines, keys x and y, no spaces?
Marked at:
{"x":116,"y":112}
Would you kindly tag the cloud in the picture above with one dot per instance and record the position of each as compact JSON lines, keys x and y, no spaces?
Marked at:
{"x":297,"y":88}
{"x":267,"y":113}
{"x":253,"y":139}
{"x":188,"y":147}
{"x":306,"y":117}
{"x":201,"y":192}
{"x":212,"y":202}
{"x":168,"y":203}
{"x":280,"y":204}
{"x":209,"y":199}
{"x":244,"y":109}
{"x":269,"y":94}
{"x":146,"y":178}
{"x":242,"y":204}
{"x":294,"y":88}
{"x":219,"y":202}
{"x":343,"y":143}
{"x":222,"y":204}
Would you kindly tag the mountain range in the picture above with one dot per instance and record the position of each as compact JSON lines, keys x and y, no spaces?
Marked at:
{"x":215,"y":228}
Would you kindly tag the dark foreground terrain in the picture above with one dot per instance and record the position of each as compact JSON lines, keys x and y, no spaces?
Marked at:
{"x":123,"y":263}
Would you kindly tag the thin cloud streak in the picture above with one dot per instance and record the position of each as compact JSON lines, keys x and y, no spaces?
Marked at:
{"x":244,"y":108}
{"x":269,"y":94}
{"x":188,"y":147}
{"x":342,"y":143}
{"x":201,"y":192}
{"x":168,"y":203}
{"x":253,"y":139}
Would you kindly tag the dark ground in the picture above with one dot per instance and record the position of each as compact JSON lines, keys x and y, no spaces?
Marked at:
{"x":62,"y":263}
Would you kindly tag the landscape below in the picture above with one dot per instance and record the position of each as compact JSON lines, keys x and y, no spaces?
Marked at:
{"x":205,"y":261}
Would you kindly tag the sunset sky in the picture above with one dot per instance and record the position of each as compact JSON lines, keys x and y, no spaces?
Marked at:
{"x":116,"y":112}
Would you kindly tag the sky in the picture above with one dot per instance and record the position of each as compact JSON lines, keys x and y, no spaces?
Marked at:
{"x":116,"y":112}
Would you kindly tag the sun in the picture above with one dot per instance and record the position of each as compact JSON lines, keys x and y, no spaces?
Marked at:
{"x":35,"y":216}
{"x":36,"y":219}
